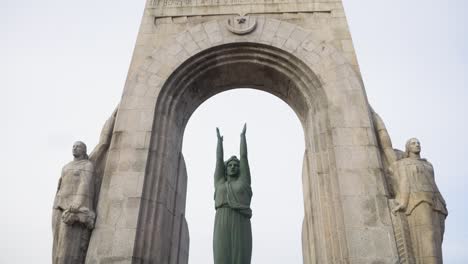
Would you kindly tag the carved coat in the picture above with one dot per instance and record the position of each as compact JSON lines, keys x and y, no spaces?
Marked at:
{"x":416,"y":182}
{"x":72,"y":229}
{"x":75,"y":185}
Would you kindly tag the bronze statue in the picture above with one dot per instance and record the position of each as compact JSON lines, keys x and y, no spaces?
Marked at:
{"x":416,"y":195}
{"x":232,"y":238}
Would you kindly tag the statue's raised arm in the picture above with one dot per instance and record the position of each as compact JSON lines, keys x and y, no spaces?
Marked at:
{"x":104,"y":139}
{"x":384,"y":138}
{"x":244,"y":161}
{"x":219,"y":170}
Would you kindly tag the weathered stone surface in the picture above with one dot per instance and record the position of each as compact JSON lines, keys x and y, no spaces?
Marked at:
{"x":73,"y":217}
{"x":419,"y":227}
{"x":300,"y":51}
{"x":73,"y":211}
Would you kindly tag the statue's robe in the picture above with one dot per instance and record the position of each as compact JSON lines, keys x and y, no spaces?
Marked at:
{"x":426,"y":209}
{"x":232,"y":239}
{"x":71,"y":230}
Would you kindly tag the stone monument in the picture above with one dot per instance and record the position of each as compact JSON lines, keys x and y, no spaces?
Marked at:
{"x":301,"y":51}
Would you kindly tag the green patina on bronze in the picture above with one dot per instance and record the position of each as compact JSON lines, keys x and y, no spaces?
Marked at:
{"x":232,"y":238}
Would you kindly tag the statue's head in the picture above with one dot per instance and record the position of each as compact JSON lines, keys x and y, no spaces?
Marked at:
{"x":412,"y":146}
{"x":79,"y":150}
{"x":232,"y":166}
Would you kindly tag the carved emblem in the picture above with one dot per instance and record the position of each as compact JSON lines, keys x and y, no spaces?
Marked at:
{"x":241,"y":25}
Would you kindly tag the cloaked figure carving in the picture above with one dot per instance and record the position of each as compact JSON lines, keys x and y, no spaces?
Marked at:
{"x":73,"y":215}
{"x":74,"y":206}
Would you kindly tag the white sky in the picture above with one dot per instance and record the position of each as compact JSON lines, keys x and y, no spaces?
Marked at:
{"x":63,"y":66}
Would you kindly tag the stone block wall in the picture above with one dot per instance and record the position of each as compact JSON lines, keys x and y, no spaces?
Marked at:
{"x":304,"y":43}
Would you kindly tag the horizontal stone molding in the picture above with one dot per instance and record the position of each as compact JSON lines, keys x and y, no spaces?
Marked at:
{"x":233,"y":7}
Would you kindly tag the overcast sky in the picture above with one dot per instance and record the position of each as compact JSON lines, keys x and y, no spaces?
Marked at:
{"x":64,"y":63}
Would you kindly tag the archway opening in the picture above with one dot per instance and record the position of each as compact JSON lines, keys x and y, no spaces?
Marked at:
{"x":276,"y":146}
{"x":161,"y":225}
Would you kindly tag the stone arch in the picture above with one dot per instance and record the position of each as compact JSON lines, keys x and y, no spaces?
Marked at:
{"x":312,"y":77}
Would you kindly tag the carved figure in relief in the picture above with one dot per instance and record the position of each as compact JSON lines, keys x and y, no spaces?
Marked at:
{"x":416,"y":196}
{"x":232,"y":238}
{"x":73,"y":214}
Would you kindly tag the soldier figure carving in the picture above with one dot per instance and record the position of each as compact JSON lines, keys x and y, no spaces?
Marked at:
{"x":416,"y":195}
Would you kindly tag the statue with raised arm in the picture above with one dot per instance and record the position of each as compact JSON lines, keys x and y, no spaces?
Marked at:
{"x":232,"y":238}
{"x":73,"y":210}
{"x":416,"y":196}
